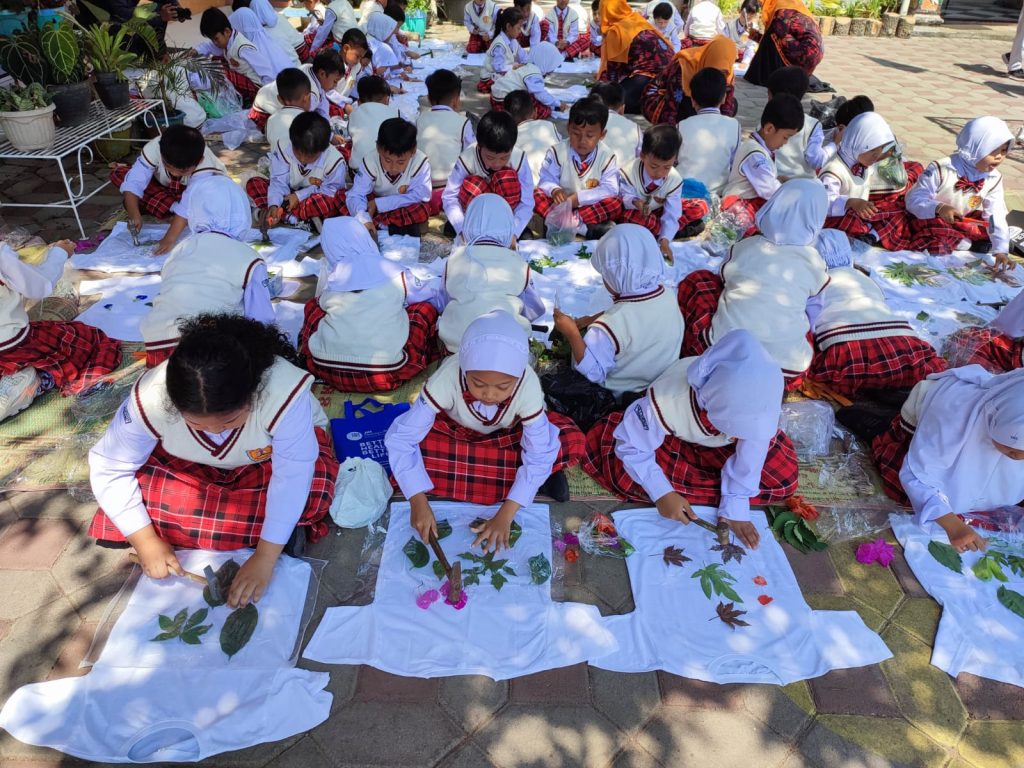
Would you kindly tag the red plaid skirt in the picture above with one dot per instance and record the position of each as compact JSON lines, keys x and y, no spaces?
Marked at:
{"x":156,"y":356}
{"x":938,"y":237}
{"x":698,"y":296}
{"x":543,"y":111}
{"x":608,"y":209}
{"x":76,"y":355}
{"x":880,"y":363}
{"x":417,"y":213}
{"x":892,"y":222}
{"x":305,"y":51}
{"x":259,"y":118}
{"x":466,"y":465}
{"x":797,"y":39}
{"x":476,"y":44}
{"x":156,"y":198}
{"x":995,"y":352}
{"x":889,"y":449}
{"x":246,"y":88}
{"x":328,"y":44}
{"x":693,"y":42}
{"x":695,"y":471}
{"x":694,"y":209}
{"x":595,"y":50}
{"x":316,"y":204}
{"x":504,"y":183}
{"x":195,"y":506}
{"x":421,"y":349}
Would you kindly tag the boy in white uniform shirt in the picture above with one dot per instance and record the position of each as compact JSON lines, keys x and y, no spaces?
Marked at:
{"x":530,"y":34}
{"x":363,"y":124}
{"x":804,"y":155}
{"x":294,"y":97}
{"x":566,"y":31}
{"x":443,"y":132}
{"x":623,"y":136}
{"x":651,"y":188}
{"x":245,"y":65}
{"x":322,"y":74}
{"x":339,"y":18}
{"x":709,"y":138}
{"x":536,"y":137}
{"x":479,"y":20}
{"x":704,"y":22}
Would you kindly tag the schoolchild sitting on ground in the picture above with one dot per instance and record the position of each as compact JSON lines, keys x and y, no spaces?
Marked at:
{"x":622,"y":135}
{"x":806,"y":153}
{"x":529,"y":33}
{"x":443,"y":132}
{"x":535,"y":136}
{"x":479,"y":20}
{"x":709,"y":139}
{"x":364,"y":123}
{"x":221,"y":447}
{"x":36,"y":356}
{"x":769,"y":284}
{"x":355,"y":50}
{"x":703,"y":23}
{"x":246,"y":66}
{"x":392,"y":186}
{"x":706,"y":432}
{"x":278,"y":28}
{"x":322,"y":75}
{"x":848,"y":110}
{"x":631,"y":344}
{"x":633,"y":52}
{"x":250,"y":26}
{"x":494,"y":165}
{"x":339,"y":18}
{"x":159,"y":176}
{"x":294,"y":97}
{"x":661,"y":18}
{"x":359,"y":290}
{"x":505,"y":53}
{"x":596,"y":36}
{"x":479,"y":433}
{"x":212,"y":270}
{"x":998,"y":348}
{"x":565,"y":31}
{"x":651,"y":189}
{"x":543,"y":59}
{"x":582,"y":170}
{"x":485,"y":273}
{"x":307,"y":176}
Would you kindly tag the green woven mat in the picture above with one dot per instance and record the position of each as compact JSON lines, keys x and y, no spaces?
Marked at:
{"x":333,"y":401}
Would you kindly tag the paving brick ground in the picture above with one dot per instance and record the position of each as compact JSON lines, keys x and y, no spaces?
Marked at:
{"x":55,"y":583}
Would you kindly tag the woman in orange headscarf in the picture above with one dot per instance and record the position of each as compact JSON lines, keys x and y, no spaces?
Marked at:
{"x":667,"y":97}
{"x":791,"y":38}
{"x":632,"y":53}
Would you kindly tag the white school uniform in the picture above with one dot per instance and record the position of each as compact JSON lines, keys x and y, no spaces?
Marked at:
{"x":480,"y":19}
{"x":387,"y":192}
{"x":150,"y":164}
{"x":841,"y":184}
{"x":267,"y":97}
{"x":595,"y":182}
{"x":753,"y":171}
{"x":525,"y":78}
{"x":623,"y":137}
{"x":663,"y":196}
{"x":288,"y":175}
{"x":363,"y":125}
{"x":853,"y":309}
{"x":570,"y":24}
{"x":20,"y":281}
{"x":708,"y":149}
{"x":470,"y":164}
{"x":339,"y":18}
{"x":704,"y":22}
{"x":242,"y":56}
{"x":804,"y":154}
{"x":442,"y":134}
{"x":279,"y":123}
{"x":501,"y":56}
{"x":367,"y":9}
{"x":535,"y":138}
{"x":531,"y":27}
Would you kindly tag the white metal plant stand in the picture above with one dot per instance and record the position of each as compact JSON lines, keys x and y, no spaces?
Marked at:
{"x":74,"y":141}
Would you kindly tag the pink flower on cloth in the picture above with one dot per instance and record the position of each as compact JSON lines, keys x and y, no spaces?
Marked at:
{"x":445,"y":589}
{"x":428,"y":598}
{"x":878,"y":551}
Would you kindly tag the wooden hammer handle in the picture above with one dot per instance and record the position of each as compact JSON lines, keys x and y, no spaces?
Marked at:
{"x":439,"y":553}
{"x":184,"y":574}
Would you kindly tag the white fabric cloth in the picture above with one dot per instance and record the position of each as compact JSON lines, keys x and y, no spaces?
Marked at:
{"x":147,"y":701}
{"x":795,"y":214}
{"x":976,"y":633}
{"x":1010,"y":319}
{"x":865,"y":132}
{"x":785,"y":642}
{"x":278,"y":56}
{"x":516,"y":631}
{"x":353,"y":257}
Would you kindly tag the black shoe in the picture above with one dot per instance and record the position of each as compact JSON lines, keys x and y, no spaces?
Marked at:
{"x":692,"y":229}
{"x":871,"y":240}
{"x":413,"y":230}
{"x":448,"y":230}
{"x":556,"y":487}
{"x":866,"y":420}
{"x":597,"y":231}
{"x":1016,"y":74}
{"x":296,"y":546}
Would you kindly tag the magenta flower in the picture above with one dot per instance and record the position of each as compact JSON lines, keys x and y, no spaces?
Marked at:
{"x":428,"y":598}
{"x":445,"y":589}
{"x":878,"y":551}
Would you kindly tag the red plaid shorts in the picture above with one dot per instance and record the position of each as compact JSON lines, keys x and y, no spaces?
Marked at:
{"x":887,"y":362}
{"x":504,"y":183}
{"x":889,"y":449}
{"x":476,"y":44}
{"x":76,"y":355}
{"x":195,"y":506}
{"x":156,"y":198}
{"x":938,"y":237}
{"x":995,"y":352}
{"x":695,"y":471}
{"x":417,"y":213}
{"x":608,"y":209}
{"x":315,"y":205}
{"x":466,"y":465}
{"x":246,"y":88}
{"x":543,"y":111}
{"x":693,"y":210}
{"x":698,"y":296}
{"x":310,"y":36}
{"x":259,"y":118}
{"x":484,"y":84}
{"x":421,"y":349}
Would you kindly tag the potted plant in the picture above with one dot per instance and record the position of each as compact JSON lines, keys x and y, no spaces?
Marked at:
{"x":47,"y":11}
{"x":26,"y":115}
{"x":416,"y":15}
{"x":168,"y":78}
{"x":13,"y":16}
{"x":106,"y":45}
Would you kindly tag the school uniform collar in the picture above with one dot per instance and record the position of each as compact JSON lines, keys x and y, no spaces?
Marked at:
{"x":577,"y":161}
{"x":647,"y":180}
{"x":441,"y":108}
{"x":709,"y":111}
{"x":756,"y":136}
{"x":638,"y":297}
{"x":499,"y":410}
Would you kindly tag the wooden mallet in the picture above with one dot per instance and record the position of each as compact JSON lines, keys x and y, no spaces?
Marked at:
{"x":454,"y":573}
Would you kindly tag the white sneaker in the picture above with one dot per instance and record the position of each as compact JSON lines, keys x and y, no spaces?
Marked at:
{"x":17,"y":391}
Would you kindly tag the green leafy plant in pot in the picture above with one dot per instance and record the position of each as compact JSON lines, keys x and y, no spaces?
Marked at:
{"x":26,"y":115}
{"x":167,"y":79}
{"x":107,"y":47}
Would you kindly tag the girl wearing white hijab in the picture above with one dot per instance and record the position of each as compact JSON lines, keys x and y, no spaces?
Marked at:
{"x":276,"y":55}
{"x":388,"y":54}
{"x":707,"y":432}
{"x":956,"y":448}
{"x":479,"y":433}
{"x":486,"y":273}
{"x":959,"y":199}
{"x":630,"y":345}
{"x":371,"y":327}
{"x":211,"y":271}
{"x":289,"y":38}
{"x":544,"y":58}
{"x":767,"y":283}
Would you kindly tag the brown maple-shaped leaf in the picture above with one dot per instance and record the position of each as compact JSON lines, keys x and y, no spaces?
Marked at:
{"x":730,"y":552}
{"x":730,"y":615}
{"x":674,"y":556}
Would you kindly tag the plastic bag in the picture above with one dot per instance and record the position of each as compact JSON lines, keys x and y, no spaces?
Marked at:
{"x":598,"y":536}
{"x":360,"y":432}
{"x":561,"y":224}
{"x":825,"y":111}
{"x":362,"y":493}
{"x":571,"y":394}
{"x":809,"y":424}
{"x":235,"y":129}
{"x":726,"y":228}
{"x":838,"y":524}
{"x":890,"y":173}
{"x":224,"y":103}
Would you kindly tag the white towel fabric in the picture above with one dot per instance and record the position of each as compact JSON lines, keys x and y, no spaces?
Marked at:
{"x":677,"y":629}
{"x":146,"y":701}
{"x":977,"y":634}
{"x":123,"y":302}
{"x":516,"y":631}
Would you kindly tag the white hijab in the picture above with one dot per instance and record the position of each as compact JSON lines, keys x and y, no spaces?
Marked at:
{"x":981,"y":136}
{"x":740,"y":386}
{"x":264,"y":12}
{"x":629,"y":260}
{"x":495,"y":342}
{"x":546,"y":57}
{"x":865,"y":132}
{"x":245,"y":21}
{"x":1010,"y":319}
{"x":489,"y":219}
{"x":381,"y":26}
{"x":353,"y":260}
{"x":795,"y":213}
{"x":217,"y":204}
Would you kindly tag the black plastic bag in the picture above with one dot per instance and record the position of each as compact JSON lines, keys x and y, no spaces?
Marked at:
{"x":825,"y":111}
{"x":572,"y":394}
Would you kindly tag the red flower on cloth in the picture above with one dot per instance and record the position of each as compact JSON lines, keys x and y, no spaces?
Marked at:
{"x":764,"y":599}
{"x":801,"y":508}
{"x":760,"y":581}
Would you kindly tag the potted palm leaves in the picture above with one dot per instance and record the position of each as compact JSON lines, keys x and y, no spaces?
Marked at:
{"x":26,"y":115}
{"x":107,"y":45}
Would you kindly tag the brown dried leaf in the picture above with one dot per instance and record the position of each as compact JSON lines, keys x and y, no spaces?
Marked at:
{"x":729,"y":614}
{"x":730,"y":552}
{"x":674,"y":556}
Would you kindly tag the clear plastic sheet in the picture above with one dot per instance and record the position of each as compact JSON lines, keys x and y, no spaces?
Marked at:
{"x":961,"y":346}
{"x":725,"y":229}
{"x":825,"y":111}
{"x":234,"y":128}
{"x":598,"y":536}
{"x":839,"y":524}
{"x":561,"y":224}
{"x":1008,"y":519}
{"x":809,"y":424}
{"x":365,"y":582}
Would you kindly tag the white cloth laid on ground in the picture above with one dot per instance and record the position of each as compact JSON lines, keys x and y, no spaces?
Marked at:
{"x":146,"y":701}
{"x":976,"y":634}
{"x":124,"y":301}
{"x":677,"y":629}
{"x":514,"y":631}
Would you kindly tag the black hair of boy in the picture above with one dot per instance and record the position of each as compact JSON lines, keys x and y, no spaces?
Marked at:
{"x":508,"y":17}
{"x":443,"y":86}
{"x":788,"y":80}
{"x":329,"y":61}
{"x":519,"y":104}
{"x":355,"y":38}
{"x":236,"y":4}
{"x":589,"y":112}
{"x":751,"y":6}
{"x":182,"y":147}
{"x":497,"y":132}
{"x":292,"y":84}
{"x":850,"y":108}
{"x":521,"y":4}
{"x":661,"y":141}
{"x":708,"y":87}
{"x":396,"y":136}
{"x":662,"y":11}
{"x":372,"y":88}
{"x":395,"y":11}
{"x":784,"y":111}
{"x":610,"y":94}
{"x":310,"y":133}
{"x":595,"y":6}
{"x":212,"y":22}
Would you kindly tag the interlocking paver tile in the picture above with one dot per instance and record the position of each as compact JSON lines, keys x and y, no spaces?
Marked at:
{"x":375,"y":685}
{"x":857,"y":691}
{"x":987,"y":699}
{"x":566,"y":685}
{"x":34,"y":545}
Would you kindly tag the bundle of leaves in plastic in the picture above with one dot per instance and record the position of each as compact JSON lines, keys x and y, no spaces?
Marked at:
{"x":598,"y":536}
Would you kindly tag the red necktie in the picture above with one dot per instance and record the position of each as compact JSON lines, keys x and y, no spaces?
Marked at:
{"x":963,"y":185}
{"x":652,"y":186}
{"x":857,"y":169}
